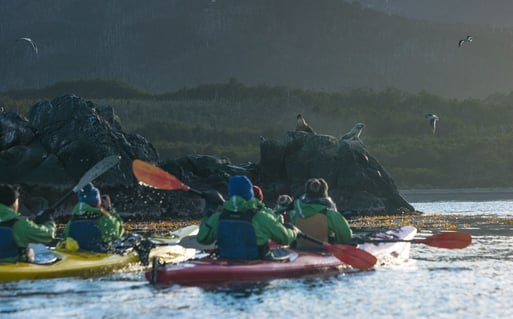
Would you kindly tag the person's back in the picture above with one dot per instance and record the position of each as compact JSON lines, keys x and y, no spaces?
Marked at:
{"x":236,"y":236}
{"x":17,"y":233}
{"x":92,"y":226}
{"x":245,"y":226}
{"x":316,"y":215}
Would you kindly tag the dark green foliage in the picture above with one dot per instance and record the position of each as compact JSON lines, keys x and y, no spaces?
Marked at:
{"x":472,"y":147}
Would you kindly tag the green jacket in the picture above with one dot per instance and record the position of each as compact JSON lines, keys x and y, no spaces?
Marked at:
{"x":111,"y":227}
{"x":267,"y":224}
{"x":26,"y":231}
{"x":338,"y":227}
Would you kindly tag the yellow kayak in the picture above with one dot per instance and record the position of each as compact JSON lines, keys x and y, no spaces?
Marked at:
{"x":69,"y":264}
{"x":87,"y":264}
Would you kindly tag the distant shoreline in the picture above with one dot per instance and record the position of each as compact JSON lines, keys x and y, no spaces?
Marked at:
{"x":458,"y":194}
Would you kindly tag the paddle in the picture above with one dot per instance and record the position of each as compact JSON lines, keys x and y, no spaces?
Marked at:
{"x":153,"y":176}
{"x":150,"y":175}
{"x":449,"y":240}
{"x":186,"y":242}
{"x":91,"y":174}
{"x":350,"y":255}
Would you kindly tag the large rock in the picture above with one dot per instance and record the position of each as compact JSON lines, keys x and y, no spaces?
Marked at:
{"x":48,"y":152}
{"x":359,"y":184}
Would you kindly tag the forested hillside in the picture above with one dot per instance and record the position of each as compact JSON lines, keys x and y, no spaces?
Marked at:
{"x":324,"y":45}
{"x":472,"y":146}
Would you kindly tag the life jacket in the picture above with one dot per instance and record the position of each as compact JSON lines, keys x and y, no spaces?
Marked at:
{"x":87,"y":233}
{"x":8,"y":246}
{"x":315,"y":226}
{"x":236,"y":238}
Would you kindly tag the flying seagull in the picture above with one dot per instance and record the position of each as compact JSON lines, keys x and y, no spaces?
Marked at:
{"x":301,"y":125}
{"x":29,"y":40}
{"x":354,"y":133}
{"x":432,"y":120}
{"x":468,"y":39}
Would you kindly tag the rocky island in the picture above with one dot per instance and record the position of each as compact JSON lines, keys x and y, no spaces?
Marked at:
{"x":47,"y":150}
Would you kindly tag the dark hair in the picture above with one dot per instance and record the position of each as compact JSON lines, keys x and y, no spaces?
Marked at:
{"x":8,"y":194}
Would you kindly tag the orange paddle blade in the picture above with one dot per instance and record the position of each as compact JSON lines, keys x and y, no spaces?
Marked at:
{"x":353,"y":256}
{"x":450,"y":240}
{"x":153,"y":176}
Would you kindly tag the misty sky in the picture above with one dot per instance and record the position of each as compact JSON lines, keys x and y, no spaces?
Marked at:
{"x":485,"y":12}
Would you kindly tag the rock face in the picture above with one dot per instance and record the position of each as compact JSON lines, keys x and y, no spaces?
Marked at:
{"x":358,"y":183}
{"x":49,"y":151}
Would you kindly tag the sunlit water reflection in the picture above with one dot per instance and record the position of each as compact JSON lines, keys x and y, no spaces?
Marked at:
{"x":437,"y":283}
{"x":467,"y":208}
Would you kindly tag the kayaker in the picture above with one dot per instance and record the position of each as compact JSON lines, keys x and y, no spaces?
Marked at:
{"x":284,"y":204}
{"x":16,"y":232}
{"x":213,"y":202}
{"x":316,"y":215}
{"x":245,"y":226}
{"x":259,"y":194}
{"x":92,"y":226}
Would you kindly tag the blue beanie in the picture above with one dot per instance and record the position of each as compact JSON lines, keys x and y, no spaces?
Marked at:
{"x":240,"y":185}
{"x":90,"y":195}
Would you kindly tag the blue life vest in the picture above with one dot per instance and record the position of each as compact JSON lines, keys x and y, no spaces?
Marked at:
{"x":236,"y":238}
{"x":8,"y":246}
{"x":87,"y":233}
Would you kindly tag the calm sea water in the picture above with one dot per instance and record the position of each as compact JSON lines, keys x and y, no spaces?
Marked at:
{"x":475,"y":282}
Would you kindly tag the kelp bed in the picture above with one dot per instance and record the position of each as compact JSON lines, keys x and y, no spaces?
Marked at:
{"x":423,"y":222}
{"x":430,"y":223}
{"x":433,"y":223}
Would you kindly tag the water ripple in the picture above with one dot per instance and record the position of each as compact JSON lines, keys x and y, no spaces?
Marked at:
{"x":435,"y":283}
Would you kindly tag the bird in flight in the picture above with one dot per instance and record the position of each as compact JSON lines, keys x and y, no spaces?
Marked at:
{"x":432,"y":120}
{"x":468,"y":39}
{"x":301,"y":125}
{"x":29,"y":40}
{"x":354,"y":133}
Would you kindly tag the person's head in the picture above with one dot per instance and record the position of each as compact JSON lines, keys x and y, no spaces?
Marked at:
{"x":283,"y":203}
{"x":316,"y":188}
{"x":90,"y":195}
{"x":241,"y":186}
{"x":259,"y":194}
{"x":9,"y":196}
{"x":106,"y":203}
{"x":284,"y":200}
{"x":213,"y":197}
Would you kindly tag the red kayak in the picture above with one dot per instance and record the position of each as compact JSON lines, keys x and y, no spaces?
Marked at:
{"x":209,"y":271}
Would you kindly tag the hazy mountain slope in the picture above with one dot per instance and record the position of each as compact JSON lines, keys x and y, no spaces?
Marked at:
{"x":164,"y":45}
{"x":484,"y":12}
